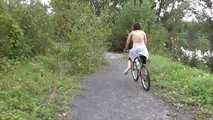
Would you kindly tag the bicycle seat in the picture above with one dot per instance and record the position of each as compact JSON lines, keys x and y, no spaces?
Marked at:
{"x":143,"y":58}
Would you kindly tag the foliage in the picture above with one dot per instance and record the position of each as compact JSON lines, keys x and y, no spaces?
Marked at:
{"x":86,"y":35}
{"x":204,"y":16}
{"x":198,"y":41}
{"x":61,"y":46}
{"x":25,"y":30}
{"x":71,"y":41}
{"x":195,"y":42}
{"x":26,"y":90}
{"x":158,"y":37}
{"x":186,"y":85}
{"x":210,"y":37}
{"x":11,"y":35}
{"x":129,"y":15}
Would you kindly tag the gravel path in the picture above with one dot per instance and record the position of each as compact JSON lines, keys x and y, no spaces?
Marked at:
{"x":110,"y":95}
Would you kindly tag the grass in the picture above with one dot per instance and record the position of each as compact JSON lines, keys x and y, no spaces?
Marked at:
{"x":183,"y":85}
{"x":35,"y":90}
{"x":43,"y":88}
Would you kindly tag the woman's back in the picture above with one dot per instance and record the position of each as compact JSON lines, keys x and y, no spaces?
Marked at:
{"x":138,"y":37}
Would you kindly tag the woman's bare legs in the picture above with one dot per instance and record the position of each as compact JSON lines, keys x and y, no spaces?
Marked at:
{"x":128,"y":67}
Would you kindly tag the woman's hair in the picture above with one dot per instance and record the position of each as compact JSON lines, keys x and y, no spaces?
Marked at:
{"x":136,"y":26}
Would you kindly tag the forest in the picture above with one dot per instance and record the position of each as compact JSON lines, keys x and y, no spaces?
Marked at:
{"x":46,"y":48}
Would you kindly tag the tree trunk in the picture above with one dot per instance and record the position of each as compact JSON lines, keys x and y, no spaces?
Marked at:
{"x":160,"y":8}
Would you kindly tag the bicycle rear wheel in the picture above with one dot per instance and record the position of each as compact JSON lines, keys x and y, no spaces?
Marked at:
{"x":145,"y":78}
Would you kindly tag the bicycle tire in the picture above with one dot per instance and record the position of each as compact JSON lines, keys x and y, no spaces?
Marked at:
{"x":145,"y":78}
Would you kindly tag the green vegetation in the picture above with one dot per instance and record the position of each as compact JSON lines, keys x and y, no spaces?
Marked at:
{"x":40,"y":88}
{"x":182,"y":84}
{"x":23,"y":36}
{"x":42,"y":56}
{"x":132,"y":13}
{"x":34,"y":90}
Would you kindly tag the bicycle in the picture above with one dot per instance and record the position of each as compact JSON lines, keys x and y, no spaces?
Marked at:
{"x":139,"y":70}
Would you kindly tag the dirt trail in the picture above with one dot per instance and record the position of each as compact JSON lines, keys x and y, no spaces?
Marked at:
{"x":110,"y":95}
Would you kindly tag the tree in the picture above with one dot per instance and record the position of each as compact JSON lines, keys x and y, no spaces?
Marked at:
{"x":130,"y":14}
{"x":206,"y":16}
{"x":99,"y":5}
{"x":25,"y":28}
{"x":165,"y":6}
{"x":170,"y":13}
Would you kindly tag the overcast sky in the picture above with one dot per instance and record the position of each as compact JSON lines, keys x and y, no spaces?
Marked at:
{"x":45,"y":1}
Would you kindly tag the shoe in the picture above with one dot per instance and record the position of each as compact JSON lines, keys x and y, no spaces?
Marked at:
{"x":126,"y":71}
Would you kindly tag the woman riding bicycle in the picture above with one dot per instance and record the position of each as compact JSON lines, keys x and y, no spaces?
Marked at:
{"x":139,"y":39}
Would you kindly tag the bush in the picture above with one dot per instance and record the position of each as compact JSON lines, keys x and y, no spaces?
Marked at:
{"x":40,"y":87}
{"x":35,"y":90}
{"x":211,"y":49}
{"x":196,"y":58}
{"x":128,"y":16}
{"x":186,"y":85}
{"x":143,"y":14}
{"x":11,"y":34}
{"x":200,"y":41}
{"x":25,"y":30}
{"x":84,"y":34}
{"x":89,"y":41}
{"x":158,"y":37}
{"x":210,"y":63}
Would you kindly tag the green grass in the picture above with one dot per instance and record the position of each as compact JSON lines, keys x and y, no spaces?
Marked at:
{"x":36,"y":90}
{"x":182,"y":84}
{"x":43,"y":88}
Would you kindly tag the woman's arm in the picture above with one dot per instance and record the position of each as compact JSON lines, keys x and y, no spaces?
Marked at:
{"x":128,"y":41}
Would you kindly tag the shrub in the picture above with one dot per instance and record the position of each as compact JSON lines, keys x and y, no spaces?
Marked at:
{"x":158,"y":37}
{"x":25,"y":30}
{"x":128,"y":16}
{"x":84,"y":34}
{"x":211,"y":49}
{"x":195,"y":58}
{"x":87,"y":46}
{"x":11,"y":34}
{"x":186,"y":85}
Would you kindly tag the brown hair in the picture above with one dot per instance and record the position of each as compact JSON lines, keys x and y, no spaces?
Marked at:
{"x":136,"y":26}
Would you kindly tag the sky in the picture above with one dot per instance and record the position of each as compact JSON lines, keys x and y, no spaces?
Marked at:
{"x":45,"y":2}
